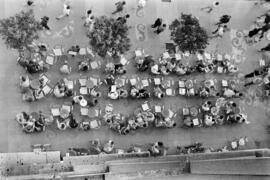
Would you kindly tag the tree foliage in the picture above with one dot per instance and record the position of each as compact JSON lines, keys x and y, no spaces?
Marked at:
{"x":188,"y":34}
{"x":20,"y":30}
{"x":108,"y":34}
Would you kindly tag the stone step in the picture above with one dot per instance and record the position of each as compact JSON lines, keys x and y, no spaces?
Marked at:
{"x":232,"y":166}
{"x":144,"y":166}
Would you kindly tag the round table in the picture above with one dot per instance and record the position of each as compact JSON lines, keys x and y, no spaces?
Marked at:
{"x":83,"y":103}
{"x":165,"y":113}
{"x":90,"y":84}
{"x":35,"y":84}
{"x":193,"y":111}
{"x":214,"y":111}
{"x":208,"y":83}
{"x":64,"y":113}
{"x":189,"y":84}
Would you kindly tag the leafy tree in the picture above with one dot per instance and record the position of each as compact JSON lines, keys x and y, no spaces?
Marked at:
{"x":109,"y":35}
{"x":20,"y":30}
{"x":188,"y":34}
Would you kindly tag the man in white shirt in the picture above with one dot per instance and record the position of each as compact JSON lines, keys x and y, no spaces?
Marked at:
{"x":66,"y":12}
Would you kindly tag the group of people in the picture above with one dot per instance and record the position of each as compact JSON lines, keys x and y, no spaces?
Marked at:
{"x":62,"y":89}
{"x":34,"y":122}
{"x":170,"y":65}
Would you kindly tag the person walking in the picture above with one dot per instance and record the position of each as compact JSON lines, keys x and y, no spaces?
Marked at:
{"x":44,"y":22}
{"x":157,"y":23}
{"x":66,"y":12}
{"x":210,"y":8}
{"x":224,"y":19}
{"x":119,"y":7}
{"x":160,"y":29}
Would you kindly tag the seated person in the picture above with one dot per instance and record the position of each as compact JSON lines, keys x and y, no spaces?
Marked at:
{"x":155,"y":69}
{"x":77,"y":99}
{"x":228,"y":93}
{"x":180,"y":69}
{"x":59,"y":90}
{"x":24,"y":83}
{"x":69,"y":93}
{"x":65,"y":69}
{"x":204,"y":92}
{"x":28,"y":96}
{"x":170,"y":123}
{"x":206,"y":106}
{"x":72,"y":122}
{"x":92,"y":102}
{"x":147,"y":62}
{"x":134,"y":92}
{"x":119,"y":69}
{"x":143,"y":93}
{"x":109,"y":147}
{"x":110,"y":80}
{"x":84,"y":66}
{"x":208,"y":120}
{"x":122,"y":93}
{"x":74,"y":49}
{"x":85,"y":125}
{"x":94,"y":92}
{"x":164,"y":70}
{"x":113,"y":95}
{"x":158,"y":92}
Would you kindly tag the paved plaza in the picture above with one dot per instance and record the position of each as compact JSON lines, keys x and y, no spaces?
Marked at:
{"x":70,"y":31}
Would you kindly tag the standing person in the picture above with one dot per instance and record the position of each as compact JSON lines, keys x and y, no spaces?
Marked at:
{"x":66,"y":12}
{"x":160,"y":29}
{"x":44,"y":22}
{"x":119,"y":7}
{"x":88,"y":18}
{"x":263,"y":30}
{"x":224,"y":19}
{"x":210,"y":8}
{"x":157,"y":23}
{"x":219,"y":32}
{"x":123,"y":19}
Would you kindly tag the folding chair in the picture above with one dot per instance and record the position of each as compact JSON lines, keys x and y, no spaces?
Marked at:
{"x":58,"y":50}
{"x":181,"y":84}
{"x":83,"y":90}
{"x":70,"y":84}
{"x":182,"y":91}
{"x":108,"y":108}
{"x":139,"y":52}
{"x":158,"y":108}
{"x":82,"y":81}
{"x":84,"y":111}
{"x":178,"y":56}
{"x":49,"y":59}
{"x":199,"y":57}
{"x":219,"y":57}
{"x":89,"y":51}
{"x":207,"y":56}
{"x":68,"y":106}
{"x":95,"y":114}
{"x":145,"y":106}
{"x":55,"y":110}
{"x":224,"y":83}
{"x":227,"y":56}
{"x":186,"y":111}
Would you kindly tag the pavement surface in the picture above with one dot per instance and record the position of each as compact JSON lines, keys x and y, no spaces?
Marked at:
{"x":70,"y":31}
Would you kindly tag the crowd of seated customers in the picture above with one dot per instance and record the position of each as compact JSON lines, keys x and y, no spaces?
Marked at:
{"x":62,"y":89}
{"x":34,"y":122}
{"x":115,"y":68}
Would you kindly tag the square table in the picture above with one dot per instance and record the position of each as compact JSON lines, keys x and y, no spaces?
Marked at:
{"x":224,"y":83}
{"x":133,"y":81}
{"x":169,"y":92}
{"x":158,"y":109}
{"x":94,"y":124}
{"x":94,"y":64}
{"x":219,"y":57}
{"x":181,"y":84}
{"x":145,"y":82}
{"x":57,"y":52}
{"x":123,"y":61}
{"x":157,"y":81}
{"x":50,"y":60}
{"x":177,"y":57}
{"x":55,"y":111}
{"x":84,"y":111}
{"x":145,"y":107}
{"x":46,"y":89}
{"x":199,"y":57}
{"x":93,"y":113}
{"x":220,"y":69}
{"x":83,"y":90}
{"x":82,"y":51}
{"x":166,"y":55}
{"x":83,"y":81}
{"x":185,"y":111}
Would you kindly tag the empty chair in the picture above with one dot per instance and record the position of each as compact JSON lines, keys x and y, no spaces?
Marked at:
{"x":83,"y":90}
{"x":58,"y":50}
{"x":55,"y":110}
{"x":82,"y":81}
{"x":50,"y":59}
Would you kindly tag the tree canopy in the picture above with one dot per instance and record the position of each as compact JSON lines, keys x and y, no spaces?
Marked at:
{"x":20,"y":30}
{"x":108,"y":34}
{"x":188,"y":34}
